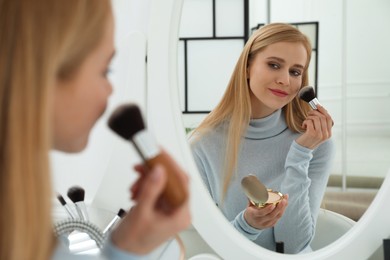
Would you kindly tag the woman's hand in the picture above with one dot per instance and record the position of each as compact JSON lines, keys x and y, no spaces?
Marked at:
{"x":267,"y":216}
{"x":149,"y":223}
{"x":318,"y":127}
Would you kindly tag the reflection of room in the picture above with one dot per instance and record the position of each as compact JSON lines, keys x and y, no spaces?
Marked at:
{"x":352,"y":80}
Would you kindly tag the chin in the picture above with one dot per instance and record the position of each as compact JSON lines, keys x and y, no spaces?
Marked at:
{"x":72,"y":147}
{"x":78,"y":149}
{"x":276,"y":106}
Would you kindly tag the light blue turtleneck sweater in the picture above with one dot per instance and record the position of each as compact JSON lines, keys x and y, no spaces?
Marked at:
{"x":270,"y":152}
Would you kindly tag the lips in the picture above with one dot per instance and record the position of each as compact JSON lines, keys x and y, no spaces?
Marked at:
{"x":279,"y":93}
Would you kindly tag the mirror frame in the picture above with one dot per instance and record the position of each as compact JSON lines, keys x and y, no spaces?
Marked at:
{"x":164,"y":118}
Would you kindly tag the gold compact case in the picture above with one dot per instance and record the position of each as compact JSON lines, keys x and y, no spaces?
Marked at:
{"x":274,"y":197}
{"x":257,"y":193}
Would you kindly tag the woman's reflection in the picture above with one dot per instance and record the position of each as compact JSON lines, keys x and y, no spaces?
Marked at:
{"x":261,"y":127}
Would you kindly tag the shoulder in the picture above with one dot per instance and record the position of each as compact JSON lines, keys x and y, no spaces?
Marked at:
{"x":207,"y":139}
{"x":208,"y":148}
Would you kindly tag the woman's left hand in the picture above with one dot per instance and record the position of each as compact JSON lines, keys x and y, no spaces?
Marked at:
{"x":318,"y":127}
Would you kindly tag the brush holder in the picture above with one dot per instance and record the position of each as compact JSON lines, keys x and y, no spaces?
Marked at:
{"x":86,"y":237}
{"x":82,"y":236}
{"x":68,"y":226}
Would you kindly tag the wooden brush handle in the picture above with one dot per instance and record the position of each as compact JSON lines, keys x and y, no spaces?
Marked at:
{"x":174,"y":192}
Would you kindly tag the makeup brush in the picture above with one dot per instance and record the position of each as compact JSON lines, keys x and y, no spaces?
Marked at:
{"x":76,"y":194}
{"x":121,"y":213}
{"x":307,"y":94}
{"x":66,"y":206}
{"x":127,"y":122}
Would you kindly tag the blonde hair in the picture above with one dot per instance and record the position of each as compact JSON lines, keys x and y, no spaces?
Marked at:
{"x":235,"y":107}
{"x":41,"y":41}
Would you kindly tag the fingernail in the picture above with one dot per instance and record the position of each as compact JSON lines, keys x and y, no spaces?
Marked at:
{"x":157,"y":173}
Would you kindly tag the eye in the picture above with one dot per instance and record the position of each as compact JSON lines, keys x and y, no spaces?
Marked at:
{"x":274,"y":65}
{"x":296,"y":73}
{"x":106,"y":72}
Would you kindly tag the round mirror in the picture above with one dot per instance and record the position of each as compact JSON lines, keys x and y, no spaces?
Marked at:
{"x":164,"y":110}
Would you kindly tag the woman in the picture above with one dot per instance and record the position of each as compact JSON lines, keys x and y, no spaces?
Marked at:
{"x":261,"y":127}
{"x":54,"y":58}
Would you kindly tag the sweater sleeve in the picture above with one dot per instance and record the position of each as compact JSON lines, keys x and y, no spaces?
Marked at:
{"x":244,"y":228}
{"x":306,"y":177}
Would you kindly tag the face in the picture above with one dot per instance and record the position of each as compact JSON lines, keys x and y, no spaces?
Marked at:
{"x":81,"y":100}
{"x":275,"y":76}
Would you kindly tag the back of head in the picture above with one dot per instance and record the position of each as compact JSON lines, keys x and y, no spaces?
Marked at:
{"x":41,"y":41}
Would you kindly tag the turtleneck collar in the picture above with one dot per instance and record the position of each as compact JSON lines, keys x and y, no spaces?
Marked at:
{"x":266,"y":127}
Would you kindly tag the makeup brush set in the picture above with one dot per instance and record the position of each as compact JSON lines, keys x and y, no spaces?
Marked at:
{"x":78,"y":218}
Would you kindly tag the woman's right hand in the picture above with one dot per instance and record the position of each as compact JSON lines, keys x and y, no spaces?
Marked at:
{"x":148,"y":224}
{"x":267,"y":216}
{"x":318,"y":125}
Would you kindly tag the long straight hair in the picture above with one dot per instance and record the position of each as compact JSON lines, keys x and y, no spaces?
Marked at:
{"x":41,"y":42}
{"x":235,"y":107}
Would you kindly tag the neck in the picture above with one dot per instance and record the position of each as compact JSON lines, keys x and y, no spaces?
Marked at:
{"x":258,"y":109}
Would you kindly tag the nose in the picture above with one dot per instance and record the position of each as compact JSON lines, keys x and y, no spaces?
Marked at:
{"x":283,"y":78}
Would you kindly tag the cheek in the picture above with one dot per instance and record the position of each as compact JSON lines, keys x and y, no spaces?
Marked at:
{"x":296,"y":84}
{"x":75,"y":113}
{"x":256,"y":82}
{"x":259,"y":89}
{"x":102,"y":95}
{"x":70,"y":125}
{"x":296,"y":87}
{"x":94,"y":106}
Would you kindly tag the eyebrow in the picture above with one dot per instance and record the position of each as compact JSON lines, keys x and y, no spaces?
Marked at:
{"x":283,"y":61}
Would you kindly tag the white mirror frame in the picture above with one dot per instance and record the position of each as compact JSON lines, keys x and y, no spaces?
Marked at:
{"x":164,"y":117}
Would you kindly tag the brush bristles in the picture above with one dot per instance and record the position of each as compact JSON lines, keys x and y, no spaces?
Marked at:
{"x":121,"y":213}
{"x":307,"y":93}
{"x":126,"y":121}
{"x":76,"y":194}
{"x":61,"y":199}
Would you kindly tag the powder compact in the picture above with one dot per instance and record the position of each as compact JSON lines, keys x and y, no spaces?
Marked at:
{"x":258,"y":194}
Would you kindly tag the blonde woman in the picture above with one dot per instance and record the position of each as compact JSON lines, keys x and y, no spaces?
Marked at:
{"x":261,"y":127}
{"x":54,"y":58}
